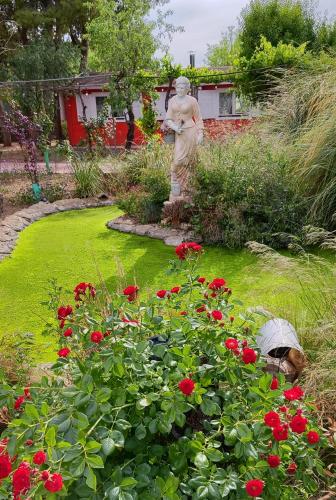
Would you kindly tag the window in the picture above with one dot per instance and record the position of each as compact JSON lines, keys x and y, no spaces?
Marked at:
{"x":225,"y":103}
{"x":101,"y":101}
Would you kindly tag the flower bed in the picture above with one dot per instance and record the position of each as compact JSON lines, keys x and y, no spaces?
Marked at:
{"x":159,"y":397}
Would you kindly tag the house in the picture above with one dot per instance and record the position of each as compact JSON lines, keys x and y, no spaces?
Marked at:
{"x":86,"y":96}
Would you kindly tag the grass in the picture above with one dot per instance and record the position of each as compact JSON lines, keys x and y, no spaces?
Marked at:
{"x":76,"y":246}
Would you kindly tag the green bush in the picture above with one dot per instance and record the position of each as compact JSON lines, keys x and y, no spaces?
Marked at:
{"x":129,"y":416}
{"x":243,"y":191}
{"x":87,"y":175}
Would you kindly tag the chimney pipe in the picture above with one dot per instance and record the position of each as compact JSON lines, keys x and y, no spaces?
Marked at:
{"x":192,"y":59}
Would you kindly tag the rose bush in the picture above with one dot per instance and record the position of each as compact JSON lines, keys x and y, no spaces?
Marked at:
{"x":159,"y":398}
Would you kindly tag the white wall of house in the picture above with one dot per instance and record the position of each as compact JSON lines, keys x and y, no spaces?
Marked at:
{"x":89,"y":100}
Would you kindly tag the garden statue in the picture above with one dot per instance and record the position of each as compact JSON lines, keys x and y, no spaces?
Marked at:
{"x":184,"y":118}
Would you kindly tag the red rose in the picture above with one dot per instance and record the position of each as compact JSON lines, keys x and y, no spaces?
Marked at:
{"x":284,"y":409}
{"x":217,"y":315}
{"x":63,"y":353}
{"x":273,"y":461}
{"x":187,"y":386}
{"x":62,"y":323}
{"x":183,"y":313}
{"x":231,"y":344}
{"x":232,"y":319}
{"x":294,"y":393}
{"x":54,"y":483}
{"x":298,"y":424}
{"x":97,"y":337}
{"x":217,"y":284}
{"x":201,"y":280}
{"x":313,"y":437}
{"x":272,"y":419}
{"x":161,"y":294}
{"x":175,"y":289}
{"x":201,"y":309}
{"x":185,"y":249}
{"x":274,"y":384}
{"x":45,"y":474}
{"x":64,"y":311}
{"x":82,"y":288}
{"x":131,"y":292}
{"x":68,"y":332}
{"x":19,"y":402}
{"x":40,"y":458}
{"x":29,"y":442}
{"x":280,"y":433}
{"x":254,"y":487}
{"x":249,"y":355}
{"x":291,"y":469}
{"x":21,"y":479}
{"x":244,"y":343}
{"x":5,"y":466}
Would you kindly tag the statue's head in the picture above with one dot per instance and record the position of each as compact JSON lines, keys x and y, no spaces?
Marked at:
{"x":182,"y":86}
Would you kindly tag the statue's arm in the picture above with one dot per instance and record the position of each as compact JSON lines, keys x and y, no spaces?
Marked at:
{"x":170,"y":120}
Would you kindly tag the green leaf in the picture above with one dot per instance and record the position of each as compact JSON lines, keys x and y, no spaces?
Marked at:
{"x":118,"y":369}
{"x":50,"y":436}
{"x":31,"y":411}
{"x":91,"y":480}
{"x":143,"y":403}
{"x":128,"y":482}
{"x":95,"y":461}
{"x":108,"y":446}
{"x":214,"y":455}
{"x":78,"y":469}
{"x":92,"y":446}
{"x":140,"y":432}
{"x":103,"y":395}
{"x":118,"y":439}
{"x":201,"y":460}
{"x":202,"y":492}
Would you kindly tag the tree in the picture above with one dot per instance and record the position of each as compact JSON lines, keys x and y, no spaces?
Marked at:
{"x":286,"y":21}
{"x":222,"y":53}
{"x":123,"y":44}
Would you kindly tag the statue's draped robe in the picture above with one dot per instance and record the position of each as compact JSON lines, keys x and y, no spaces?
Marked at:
{"x":186,"y":113}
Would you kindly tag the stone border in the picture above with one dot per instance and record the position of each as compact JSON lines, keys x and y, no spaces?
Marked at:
{"x":11,"y":226}
{"x":170,"y":236}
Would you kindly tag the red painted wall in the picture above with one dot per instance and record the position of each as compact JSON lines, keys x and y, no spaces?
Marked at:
{"x":76,"y":131}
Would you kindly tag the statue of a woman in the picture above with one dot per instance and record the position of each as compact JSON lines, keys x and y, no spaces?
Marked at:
{"x":184,"y":117}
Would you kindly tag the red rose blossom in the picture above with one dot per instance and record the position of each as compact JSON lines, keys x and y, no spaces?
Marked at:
{"x":293,"y":393}
{"x":298,"y":424}
{"x":217,"y":284}
{"x":217,"y":315}
{"x":64,"y":311}
{"x":185,"y":249}
{"x":274,"y":384}
{"x":68,"y":332}
{"x":249,"y":355}
{"x":201,"y":280}
{"x":272,"y":419}
{"x":82,"y":288}
{"x":280,"y":433}
{"x":313,"y":437}
{"x":187,"y":386}
{"x":96,"y":337}
{"x":254,"y":487}
{"x":19,"y":402}
{"x":183,"y":313}
{"x":284,"y":409}
{"x":131,"y":292}
{"x":232,"y":318}
{"x":29,"y":442}
{"x":291,"y":469}
{"x":54,"y":483}
{"x":40,"y":458}
{"x":45,"y":474}
{"x":64,"y":353}
{"x":161,"y":294}
{"x":5,"y":466}
{"x":201,"y":309}
{"x":273,"y":461}
{"x":21,"y":479}
{"x":231,"y":344}
{"x":175,"y":289}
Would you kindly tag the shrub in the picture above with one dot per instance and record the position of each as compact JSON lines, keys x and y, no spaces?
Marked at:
{"x":156,"y":400}
{"x":87,"y":175}
{"x":243,"y":191}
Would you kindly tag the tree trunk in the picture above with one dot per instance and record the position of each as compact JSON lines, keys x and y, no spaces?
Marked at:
{"x":6,"y":137}
{"x":170,"y":87}
{"x":131,"y":128}
{"x":58,"y":122}
{"x":84,"y":48}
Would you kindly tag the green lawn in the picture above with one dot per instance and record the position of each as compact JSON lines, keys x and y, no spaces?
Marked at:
{"x":76,"y":246}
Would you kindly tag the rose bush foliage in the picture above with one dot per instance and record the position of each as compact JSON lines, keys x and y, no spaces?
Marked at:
{"x":190,"y":414}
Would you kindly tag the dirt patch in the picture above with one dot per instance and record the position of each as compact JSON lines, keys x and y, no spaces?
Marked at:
{"x":15,"y":189}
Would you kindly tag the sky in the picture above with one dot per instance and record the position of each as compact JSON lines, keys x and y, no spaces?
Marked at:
{"x":204,"y":20}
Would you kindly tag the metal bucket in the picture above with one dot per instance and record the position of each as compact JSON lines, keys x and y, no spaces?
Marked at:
{"x":277,"y":337}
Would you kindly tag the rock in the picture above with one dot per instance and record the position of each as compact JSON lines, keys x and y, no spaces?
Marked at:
{"x":16,"y":223}
{"x":4,"y":237}
{"x":259,"y":248}
{"x":6,"y":247}
{"x":8,"y":231}
{"x":174,"y":241}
